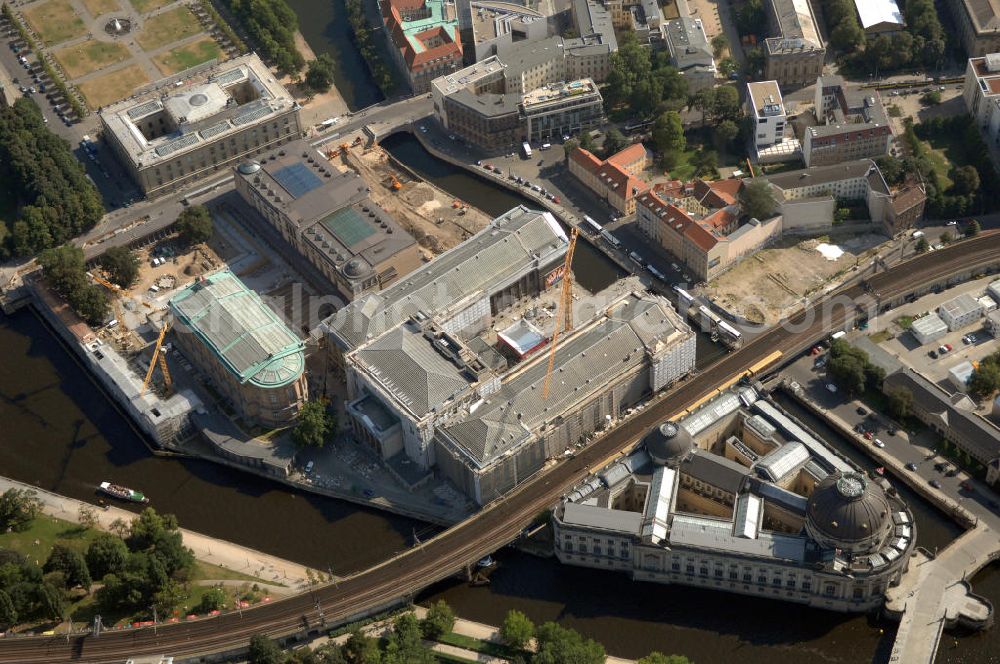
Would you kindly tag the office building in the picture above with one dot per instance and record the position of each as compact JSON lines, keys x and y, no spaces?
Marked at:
{"x":766,"y":111}
{"x":928,"y":329}
{"x":498,"y":28}
{"x":689,"y":49}
{"x":739,"y":497}
{"x":425,"y":39}
{"x":794,"y":54}
{"x":981,"y":93}
{"x":485,"y":104}
{"x":329,"y":218}
{"x":248,"y":353}
{"x":960,"y":312}
{"x":561,"y":109}
{"x":851,"y":124}
{"x":171,"y":137}
{"x":978,"y":24}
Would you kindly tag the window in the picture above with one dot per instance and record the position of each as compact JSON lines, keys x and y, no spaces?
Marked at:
{"x":790,"y":583}
{"x":675,"y":567}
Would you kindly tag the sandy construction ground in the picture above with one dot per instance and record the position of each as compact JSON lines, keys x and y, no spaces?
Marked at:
{"x":770,"y":284}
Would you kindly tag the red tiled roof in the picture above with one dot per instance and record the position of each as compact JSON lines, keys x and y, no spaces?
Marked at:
{"x":720,"y":220}
{"x":703,"y":238}
{"x":394,"y":24}
{"x":620,"y":181}
{"x":586,"y":159}
{"x":671,"y":215}
{"x":727,"y":189}
{"x":628,"y":155}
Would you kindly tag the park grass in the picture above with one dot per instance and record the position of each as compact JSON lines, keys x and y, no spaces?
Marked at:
{"x":451,"y":659}
{"x":187,"y":56}
{"x":167,"y":28}
{"x":55,"y":21}
{"x":684,"y":170}
{"x":143,"y":6}
{"x":940,"y":163}
{"x":111,"y":87}
{"x":45,"y":532}
{"x":91,"y":55}
{"x":101,"y":7}
{"x":478,"y":645}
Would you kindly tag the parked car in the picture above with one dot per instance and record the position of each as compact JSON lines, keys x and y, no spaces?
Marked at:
{"x":831,"y":388}
{"x":860,"y":411}
{"x":878,"y":443}
{"x":933,"y":354}
{"x":935,"y":484}
{"x":911,"y":466}
{"x":309,"y":467}
{"x":868,"y":435}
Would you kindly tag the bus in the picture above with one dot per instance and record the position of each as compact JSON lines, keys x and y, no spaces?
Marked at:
{"x":683,"y":297}
{"x":592,"y":225}
{"x":527,"y":150}
{"x":610,"y":238}
{"x":656,"y":273}
{"x":636,"y":257}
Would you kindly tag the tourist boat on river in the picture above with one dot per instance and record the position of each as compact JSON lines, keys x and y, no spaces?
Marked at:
{"x":123,"y":493}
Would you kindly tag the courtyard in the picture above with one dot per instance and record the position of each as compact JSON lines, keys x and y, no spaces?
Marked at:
{"x":110,"y":48}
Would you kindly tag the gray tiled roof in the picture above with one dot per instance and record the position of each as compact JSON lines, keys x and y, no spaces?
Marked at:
{"x":980,"y":435}
{"x":408,"y":366}
{"x":485,"y":263}
{"x":715,"y":470}
{"x":585,"y":362}
{"x":805,"y":177}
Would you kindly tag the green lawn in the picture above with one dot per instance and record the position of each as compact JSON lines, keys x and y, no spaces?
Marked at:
{"x":143,"y":6}
{"x":187,"y":56}
{"x":451,"y":659}
{"x":85,"y":57}
{"x":477,"y":645}
{"x":940,"y":163}
{"x":168,"y":27}
{"x":45,"y":532}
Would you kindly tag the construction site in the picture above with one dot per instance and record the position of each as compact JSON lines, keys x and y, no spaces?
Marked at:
{"x":436,"y":220}
{"x":767,"y":286}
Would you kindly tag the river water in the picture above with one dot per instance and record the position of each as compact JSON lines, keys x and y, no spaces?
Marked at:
{"x":60,"y":433}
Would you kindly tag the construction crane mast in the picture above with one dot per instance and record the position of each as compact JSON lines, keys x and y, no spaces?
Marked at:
{"x":565,"y":308}
{"x":158,"y":355}
{"x":116,"y":294}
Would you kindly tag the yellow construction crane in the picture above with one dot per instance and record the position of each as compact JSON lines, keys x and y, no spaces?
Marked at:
{"x":158,"y":355}
{"x":564,"y":307}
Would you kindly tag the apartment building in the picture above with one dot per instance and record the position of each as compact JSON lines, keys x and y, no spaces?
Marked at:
{"x":981,"y":94}
{"x":766,"y":110}
{"x":689,"y":49}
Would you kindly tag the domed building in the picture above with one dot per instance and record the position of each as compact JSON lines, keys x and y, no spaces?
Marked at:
{"x":668,"y":444}
{"x":849,"y":512}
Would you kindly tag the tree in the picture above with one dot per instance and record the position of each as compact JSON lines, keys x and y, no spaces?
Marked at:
{"x":719,"y":44}
{"x":847,"y":36}
{"x":756,"y":200}
{"x":900,"y":402}
{"x":440,"y":620}
{"x":931,"y":98}
{"x":946,"y":237}
{"x":107,"y":554}
{"x":587,"y":141}
{"x":726,"y":104}
{"x":65,"y":271}
{"x":361,"y":649}
{"x":71,"y":564}
{"x":559,"y":645}
{"x":213,"y":600}
{"x":965,"y":180}
{"x":314,"y":426}
{"x":972,"y":228}
{"x":18,"y":508}
{"x":517,"y":629}
{"x":668,"y":133}
{"x":569,"y":147}
{"x":725,"y":132}
{"x":659,"y":658}
{"x":922,"y":246}
{"x":319,"y":76}
{"x":121,"y":265}
{"x":985,"y":380}
{"x":404,"y":645}
{"x":264,"y":651}
{"x":8,"y":613}
{"x":195,"y":224}
{"x":614,"y":142}
{"x":50,"y":601}
{"x":119,"y":527}
{"x":87,"y":516}
{"x":752,"y":19}
{"x":850,"y":368}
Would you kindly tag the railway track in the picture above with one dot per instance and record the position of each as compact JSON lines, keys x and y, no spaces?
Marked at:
{"x":448,"y":553}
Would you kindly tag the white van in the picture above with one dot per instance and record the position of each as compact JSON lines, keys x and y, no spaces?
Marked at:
{"x":545,"y":146}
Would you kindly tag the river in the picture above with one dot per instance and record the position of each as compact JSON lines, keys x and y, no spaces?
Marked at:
{"x":60,"y":433}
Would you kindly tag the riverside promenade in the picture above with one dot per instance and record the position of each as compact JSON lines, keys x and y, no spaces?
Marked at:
{"x":207,"y":549}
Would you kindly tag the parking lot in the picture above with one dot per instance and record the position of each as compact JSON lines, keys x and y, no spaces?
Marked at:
{"x":888,"y":333}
